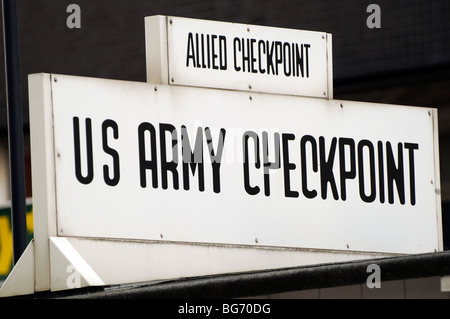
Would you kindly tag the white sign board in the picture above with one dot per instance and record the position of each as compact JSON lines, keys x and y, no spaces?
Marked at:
{"x":157,"y":162}
{"x":213,"y":54}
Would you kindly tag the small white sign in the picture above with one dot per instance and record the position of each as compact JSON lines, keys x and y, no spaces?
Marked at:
{"x":238,"y":56}
{"x":157,"y":162}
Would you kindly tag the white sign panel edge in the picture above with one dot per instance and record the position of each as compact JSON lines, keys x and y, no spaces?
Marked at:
{"x":168,"y":96}
{"x":165,"y":58}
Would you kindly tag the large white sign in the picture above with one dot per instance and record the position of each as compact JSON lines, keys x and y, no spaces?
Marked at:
{"x":157,"y":162}
{"x":235,"y":56}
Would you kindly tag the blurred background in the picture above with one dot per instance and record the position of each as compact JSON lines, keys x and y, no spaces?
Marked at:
{"x":404,"y":61}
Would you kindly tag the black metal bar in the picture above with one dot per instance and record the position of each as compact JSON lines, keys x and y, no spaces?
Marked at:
{"x":270,"y":281}
{"x":15,"y":127}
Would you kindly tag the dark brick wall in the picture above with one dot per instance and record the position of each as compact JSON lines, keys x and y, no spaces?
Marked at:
{"x":110,"y":43}
{"x":413,"y":33}
{"x":414,"y":36}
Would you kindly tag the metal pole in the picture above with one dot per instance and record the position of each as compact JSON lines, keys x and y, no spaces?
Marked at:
{"x":15,"y":128}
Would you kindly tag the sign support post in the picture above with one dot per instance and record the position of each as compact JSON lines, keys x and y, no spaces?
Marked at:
{"x":15,"y":128}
